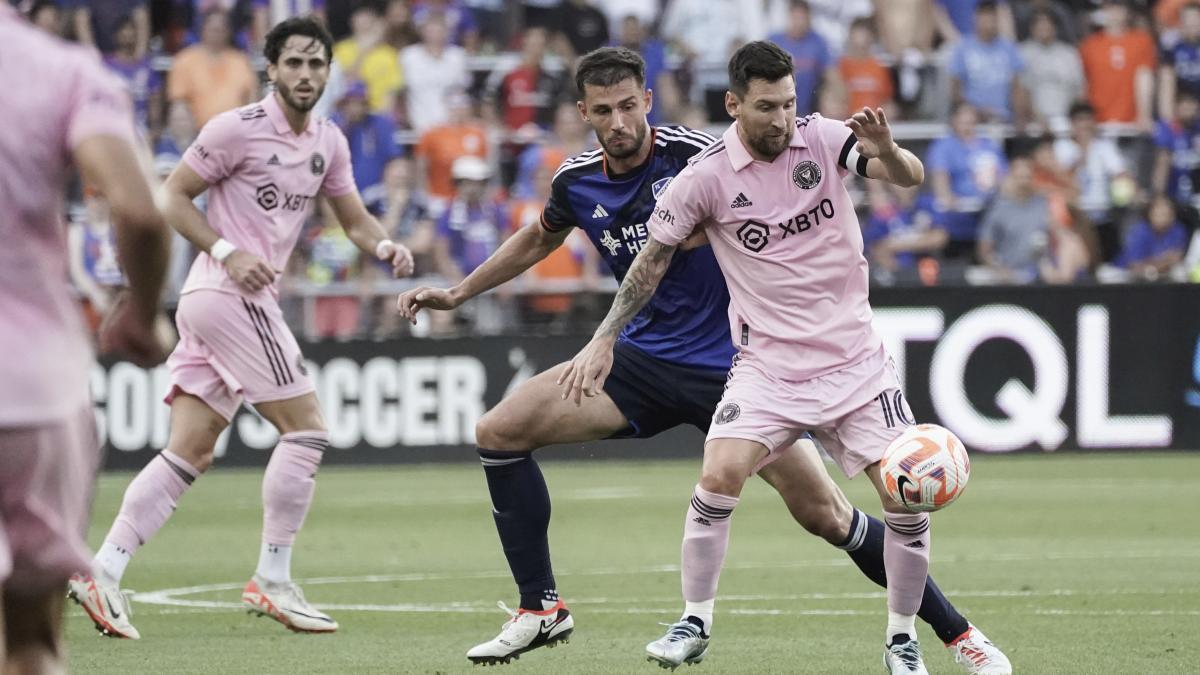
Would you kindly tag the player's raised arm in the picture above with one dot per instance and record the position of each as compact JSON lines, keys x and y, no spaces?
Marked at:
{"x":585,"y":374}
{"x":522,"y":250}
{"x":884,"y":159}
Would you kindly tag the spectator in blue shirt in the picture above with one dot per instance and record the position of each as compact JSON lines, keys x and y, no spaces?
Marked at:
{"x":964,"y":172}
{"x":903,"y":227}
{"x":667,"y":99}
{"x":1177,"y":159}
{"x":372,"y":137}
{"x":955,"y":19}
{"x":815,"y":65}
{"x":1156,"y":245}
{"x":97,"y":22}
{"x":984,"y":70}
{"x":144,"y":83}
{"x":1180,"y":67}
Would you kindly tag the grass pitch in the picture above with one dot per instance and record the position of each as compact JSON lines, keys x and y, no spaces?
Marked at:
{"x":1071,"y":563}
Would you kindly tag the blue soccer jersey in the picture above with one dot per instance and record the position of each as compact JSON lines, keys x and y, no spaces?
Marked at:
{"x":686,"y":321}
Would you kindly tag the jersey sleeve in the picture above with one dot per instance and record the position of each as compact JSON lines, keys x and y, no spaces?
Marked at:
{"x":339,"y":180}
{"x":99,"y":107}
{"x":683,"y":207}
{"x":218,"y":150}
{"x":841,"y":143}
{"x":557,"y":214}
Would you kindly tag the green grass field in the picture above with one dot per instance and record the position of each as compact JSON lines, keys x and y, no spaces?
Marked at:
{"x":1071,"y":563}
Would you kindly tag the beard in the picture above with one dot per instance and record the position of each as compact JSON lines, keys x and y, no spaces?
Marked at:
{"x":769,"y":146}
{"x":302,"y":106}
{"x":624,"y":153}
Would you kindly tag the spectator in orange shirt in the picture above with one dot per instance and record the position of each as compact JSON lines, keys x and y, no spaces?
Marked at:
{"x":437,"y":149}
{"x":1119,"y":62}
{"x":211,"y":76}
{"x":576,"y":260}
{"x":868,"y":83}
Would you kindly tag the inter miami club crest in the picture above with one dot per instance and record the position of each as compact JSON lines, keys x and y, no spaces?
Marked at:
{"x":728,"y":413}
{"x":754,"y":235}
{"x":317,"y":164}
{"x":806,"y":175}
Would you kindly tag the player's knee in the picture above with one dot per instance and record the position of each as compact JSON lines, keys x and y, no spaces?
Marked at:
{"x":723,"y":480}
{"x":825,"y":519}
{"x":502,"y":431}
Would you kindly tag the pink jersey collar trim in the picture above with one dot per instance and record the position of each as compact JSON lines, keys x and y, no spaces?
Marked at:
{"x":278,"y":119}
{"x":740,"y":157}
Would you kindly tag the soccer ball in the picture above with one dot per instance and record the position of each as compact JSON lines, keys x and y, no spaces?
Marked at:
{"x":926,"y":468}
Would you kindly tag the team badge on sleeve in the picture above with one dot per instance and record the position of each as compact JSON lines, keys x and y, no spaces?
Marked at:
{"x":660,"y":185}
{"x":728,"y":413}
{"x":317,"y":164}
{"x":806,"y":175}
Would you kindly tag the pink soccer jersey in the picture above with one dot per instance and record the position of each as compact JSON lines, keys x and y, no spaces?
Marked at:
{"x":52,"y":96}
{"x":264,"y":182}
{"x":788,"y":242}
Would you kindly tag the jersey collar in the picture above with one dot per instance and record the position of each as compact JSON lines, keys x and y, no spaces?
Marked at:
{"x":278,"y":119}
{"x":740,"y":157}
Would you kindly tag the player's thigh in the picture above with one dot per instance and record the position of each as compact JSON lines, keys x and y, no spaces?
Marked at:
{"x":535,"y":415}
{"x":799,"y":476}
{"x":299,"y":413}
{"x":47,"y":476}
{"x":195,"y":426}
{"x":728,"y":462}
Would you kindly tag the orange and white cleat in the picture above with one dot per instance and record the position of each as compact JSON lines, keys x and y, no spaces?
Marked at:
{"x":105,"y":604}
{"x":525,"y":630}
{"x":977,"y":655}
{"x":286,"y":604}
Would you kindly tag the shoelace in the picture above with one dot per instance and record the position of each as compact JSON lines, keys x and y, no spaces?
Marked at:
{"x":681,"y":631}
{"x":965,"y":652}
{"x":909,"y":653}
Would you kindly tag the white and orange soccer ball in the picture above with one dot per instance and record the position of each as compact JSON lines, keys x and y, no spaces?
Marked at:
{"x":926,"y":468}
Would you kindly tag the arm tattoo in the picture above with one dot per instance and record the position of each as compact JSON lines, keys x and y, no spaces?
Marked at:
{"x":640,"y":283}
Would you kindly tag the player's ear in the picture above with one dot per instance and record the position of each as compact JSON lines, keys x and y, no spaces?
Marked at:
{"x":649,"y":100}
{"x":272,"y":71}
{"x":732,"y":104}
{"x":582,"y":110}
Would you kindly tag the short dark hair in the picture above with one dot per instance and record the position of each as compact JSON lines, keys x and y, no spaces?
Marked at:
{"x":758,"y":60}
{"x":1081,"y":108}
{"x":607,"y":66}
{"x":987,"y":6}
{"x":304,"y":26}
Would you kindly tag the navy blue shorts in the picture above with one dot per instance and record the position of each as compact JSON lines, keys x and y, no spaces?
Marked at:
{"x":655,"y":395}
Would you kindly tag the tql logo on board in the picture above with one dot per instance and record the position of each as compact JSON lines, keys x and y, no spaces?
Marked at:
{"x":1033,"y":414}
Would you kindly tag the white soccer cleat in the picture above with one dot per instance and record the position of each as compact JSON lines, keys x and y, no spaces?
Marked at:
{"x":525,"y":630}
{"x":977,"y":655}
{"x":904,"y":658}
{"x":684,"y":643}
{"x":286,"y":604}
{"x":105,"y":604}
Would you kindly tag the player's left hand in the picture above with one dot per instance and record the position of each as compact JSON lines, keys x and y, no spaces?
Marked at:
{"x":585,"y":374}
{"x":398,"y":255}
{"x":874,"y":134}
{"x":145,"y":341}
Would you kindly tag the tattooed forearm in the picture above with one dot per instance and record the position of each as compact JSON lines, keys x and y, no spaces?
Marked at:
{"x":640,"y":282}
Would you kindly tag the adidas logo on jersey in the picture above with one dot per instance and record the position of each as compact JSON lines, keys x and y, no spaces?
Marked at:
{"x":740,"y":201}
{"x":599,"y":212}
{"x":274,"y":161}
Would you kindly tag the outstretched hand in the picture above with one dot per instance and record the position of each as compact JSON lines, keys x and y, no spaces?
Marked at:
{"x":411,"y":302}
{"x":586,"y":373}
{"x":874,"y":134}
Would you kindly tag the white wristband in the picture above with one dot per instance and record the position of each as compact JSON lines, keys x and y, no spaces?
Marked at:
{"x":221,"y":250}
{"x":380,"y":245}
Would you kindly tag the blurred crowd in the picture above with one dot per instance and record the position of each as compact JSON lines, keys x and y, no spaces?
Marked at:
{"x":1061,"y":139}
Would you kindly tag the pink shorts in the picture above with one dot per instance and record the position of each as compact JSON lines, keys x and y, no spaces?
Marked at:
{"x":46,"y":480}
{"x":230,"y":348}
{"x":854,"y":413}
